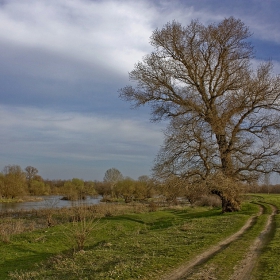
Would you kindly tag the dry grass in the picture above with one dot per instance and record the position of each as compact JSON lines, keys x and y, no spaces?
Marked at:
{"x":10,"y":226}
{"x":13,"y":222}
{"x":79,"y":231}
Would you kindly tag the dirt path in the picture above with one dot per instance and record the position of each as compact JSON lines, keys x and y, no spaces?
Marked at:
{"x":244,"y":269}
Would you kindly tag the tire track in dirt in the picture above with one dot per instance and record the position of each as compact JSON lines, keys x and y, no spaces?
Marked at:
{"x":243,"y":270}
{"x":186,"y":269}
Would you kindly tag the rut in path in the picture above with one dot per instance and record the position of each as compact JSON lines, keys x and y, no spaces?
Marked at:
{"x":185,"y":270}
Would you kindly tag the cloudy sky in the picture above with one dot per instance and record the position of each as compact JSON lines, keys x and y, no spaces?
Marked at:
{"x":62,"y":63}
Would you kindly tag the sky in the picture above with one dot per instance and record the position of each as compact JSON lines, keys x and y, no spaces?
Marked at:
{"x":62,"y":63}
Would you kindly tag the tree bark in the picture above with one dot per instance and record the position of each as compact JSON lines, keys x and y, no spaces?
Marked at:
{"x":229,"y":204}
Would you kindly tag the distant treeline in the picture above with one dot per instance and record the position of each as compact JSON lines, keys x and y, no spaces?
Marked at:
{"x":16,"y":183}
{"x":264,"y":189}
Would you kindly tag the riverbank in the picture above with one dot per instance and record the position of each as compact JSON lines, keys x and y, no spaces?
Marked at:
{"x":21,"y":199}
{"x":43,"y":202}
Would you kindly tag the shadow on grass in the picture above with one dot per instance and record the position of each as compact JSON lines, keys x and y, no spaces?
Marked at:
{"x":172,"y":217}
{"x":156,"y":223}
{"x":201,"y":214}
{"x":26,"y":260}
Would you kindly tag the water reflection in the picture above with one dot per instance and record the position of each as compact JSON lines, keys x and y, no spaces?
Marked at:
{"x":51,"y":201}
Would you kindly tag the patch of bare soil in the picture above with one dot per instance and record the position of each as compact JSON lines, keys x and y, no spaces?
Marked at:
{"x":186,"y":269}
{"x":243,"y":271}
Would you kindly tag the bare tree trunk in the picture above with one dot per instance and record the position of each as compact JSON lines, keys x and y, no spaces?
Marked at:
{"x":229,"y":204}
{"x":225,"y":154}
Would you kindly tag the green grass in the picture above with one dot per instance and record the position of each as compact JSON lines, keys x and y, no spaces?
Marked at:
{"x":9,"y":200}
{"x":25,"y":250}
{"x":132,"y":246}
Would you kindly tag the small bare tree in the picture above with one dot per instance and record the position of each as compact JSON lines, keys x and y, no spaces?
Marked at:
{"x":79,"y":231}
{"x":50,"y":210}
{"x":224,"y":114}
{"x":30,"y":172}
{"x":112,"y":176}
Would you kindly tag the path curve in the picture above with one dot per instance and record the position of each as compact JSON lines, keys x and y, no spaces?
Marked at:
{"x":203,"y":257}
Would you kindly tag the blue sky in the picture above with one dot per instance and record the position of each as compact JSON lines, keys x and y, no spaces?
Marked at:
{"x":62,"y":63}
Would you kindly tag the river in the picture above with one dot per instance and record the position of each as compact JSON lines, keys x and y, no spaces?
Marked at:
{"x":51,"y":201}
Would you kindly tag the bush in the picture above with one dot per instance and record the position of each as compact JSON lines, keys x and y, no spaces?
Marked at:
{"x":209,"y":200}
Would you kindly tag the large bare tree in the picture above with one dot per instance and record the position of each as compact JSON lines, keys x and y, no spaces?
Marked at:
{"x":224,"y":114}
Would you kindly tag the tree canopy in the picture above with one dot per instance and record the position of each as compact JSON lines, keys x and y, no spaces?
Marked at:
{"x":224,"y":113}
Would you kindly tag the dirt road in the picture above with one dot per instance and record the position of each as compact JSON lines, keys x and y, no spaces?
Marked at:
{"x":244,"y":268}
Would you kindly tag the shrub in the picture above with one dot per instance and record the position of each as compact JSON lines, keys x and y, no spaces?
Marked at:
{"x":208,"y":200}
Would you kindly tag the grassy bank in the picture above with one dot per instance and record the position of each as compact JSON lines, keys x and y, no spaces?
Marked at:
{"x":129,"y":246}
{"x":20,"y":199}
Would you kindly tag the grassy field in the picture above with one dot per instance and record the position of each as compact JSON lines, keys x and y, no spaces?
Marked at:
{"x":144,"y":245}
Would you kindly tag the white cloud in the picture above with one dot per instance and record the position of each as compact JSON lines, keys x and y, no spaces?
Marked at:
{"x":110,"y":33}
{"x":276,"y":65}
{"x":114,"y":34}
{"x":266,"y":31}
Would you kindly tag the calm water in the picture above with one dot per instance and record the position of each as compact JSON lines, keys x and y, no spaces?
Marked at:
{"x":52,"y":201}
